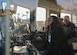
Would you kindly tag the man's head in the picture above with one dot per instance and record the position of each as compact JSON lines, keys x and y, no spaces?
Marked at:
{"x":66,"y":19}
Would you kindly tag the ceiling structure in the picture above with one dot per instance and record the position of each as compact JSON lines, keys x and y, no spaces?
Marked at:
{"x":49,"y":4}
{"x":68,"y":5}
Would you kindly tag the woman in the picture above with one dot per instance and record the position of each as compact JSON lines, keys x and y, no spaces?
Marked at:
{"x":56,"y":40}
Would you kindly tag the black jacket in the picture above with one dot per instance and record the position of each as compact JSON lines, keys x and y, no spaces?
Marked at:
{"x":58,"y":44}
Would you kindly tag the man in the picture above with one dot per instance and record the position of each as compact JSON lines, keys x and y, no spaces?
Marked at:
{"x":69,"y":27}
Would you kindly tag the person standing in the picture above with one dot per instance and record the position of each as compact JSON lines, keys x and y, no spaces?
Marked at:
{"x":70,"y":31}
{"x":56,"y":40}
